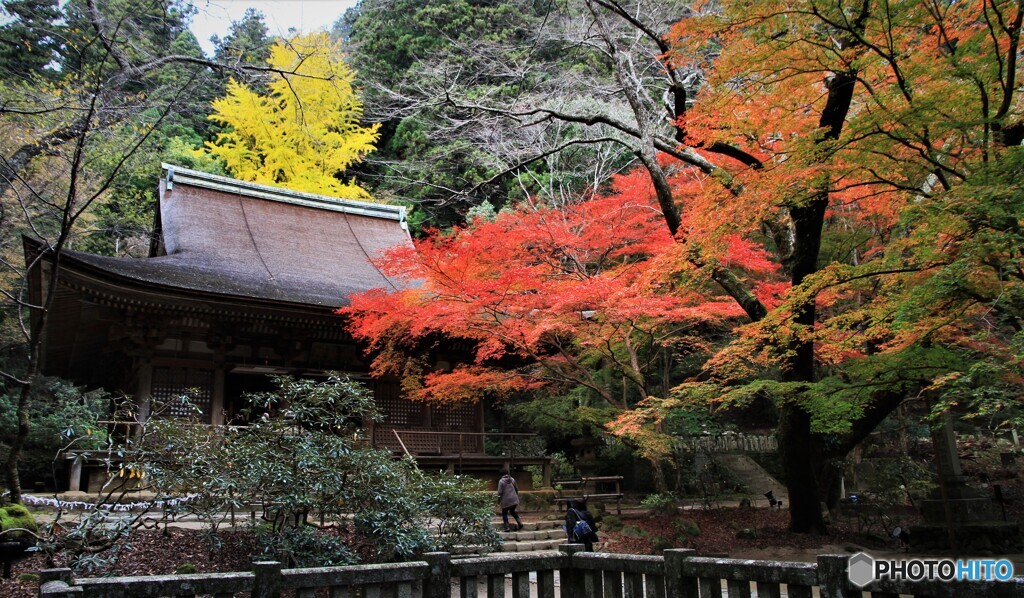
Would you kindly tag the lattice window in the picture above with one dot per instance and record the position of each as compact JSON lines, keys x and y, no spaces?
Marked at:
{"x":169,"y":384}
{"x":461,"y":418}
{"x":399,"y":412}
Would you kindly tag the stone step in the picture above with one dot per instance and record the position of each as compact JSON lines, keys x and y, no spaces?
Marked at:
{"x":531,"y":536}
{"x":752,"y":475}
{"x":532,"y":526}
{"x":532,"y":546}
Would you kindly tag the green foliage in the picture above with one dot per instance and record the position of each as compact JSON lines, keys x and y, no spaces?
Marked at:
{"x":561,"y":469}
{"x":611,"y":523}
{"x":28,"y":38}
{"x":660,"y":504}
{"x":304,"y":547}
{"x":185,"y":569}
{"x":687,"y":528}
{"x":62,"y":416}
{"x":246,"y":40}
{"x":91,"y":542}
{"x":896,"y":481}
{"x":300,"y":458}
{"x":408,"y":53}
{"x":461,"y":510}
{"x":633,"y":531}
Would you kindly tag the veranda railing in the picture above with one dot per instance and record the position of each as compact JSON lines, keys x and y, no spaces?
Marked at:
{"x":567,"y":573}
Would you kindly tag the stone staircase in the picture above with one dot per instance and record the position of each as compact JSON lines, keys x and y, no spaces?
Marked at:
{"x":535,"y":535}
{"x":753,"y":476}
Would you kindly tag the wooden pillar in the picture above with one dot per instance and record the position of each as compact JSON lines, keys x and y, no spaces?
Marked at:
{"x":144,"y":389}
{"x":75,"y":472}
{"x":217,"y":398}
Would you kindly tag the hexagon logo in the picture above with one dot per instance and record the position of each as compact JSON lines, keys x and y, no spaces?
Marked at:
{"x":861,"y":569}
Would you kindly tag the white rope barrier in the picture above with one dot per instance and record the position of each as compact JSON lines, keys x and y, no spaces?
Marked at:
{"x":46,"y":501}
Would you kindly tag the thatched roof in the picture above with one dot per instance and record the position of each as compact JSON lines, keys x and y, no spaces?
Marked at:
{"x":232,"y":238}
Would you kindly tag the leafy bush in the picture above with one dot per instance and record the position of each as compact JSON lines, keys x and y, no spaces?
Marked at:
{"x":62,"y":415}
{"x":611,"y":523}
{"x":90,"y":542}
{"x":300,"y":459}
{"x":460,"y":512}
{"x":304,"y":547}
{"x":659,"y":504}
{"x":688,"y":529}
{"x":663,"y":543}
{"x":633,"y":531}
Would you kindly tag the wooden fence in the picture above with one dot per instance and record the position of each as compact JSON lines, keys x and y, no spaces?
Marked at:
{"x":567,"y":573}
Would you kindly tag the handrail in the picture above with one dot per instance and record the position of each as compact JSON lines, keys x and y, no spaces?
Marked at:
{"x":436,"y":433}
{"x":399,"y":438}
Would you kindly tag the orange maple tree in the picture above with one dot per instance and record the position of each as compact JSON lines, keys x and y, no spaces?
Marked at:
{"x":817,"y":203}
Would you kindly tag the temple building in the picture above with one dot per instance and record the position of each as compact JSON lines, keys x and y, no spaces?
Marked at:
{"x":242,"y":281}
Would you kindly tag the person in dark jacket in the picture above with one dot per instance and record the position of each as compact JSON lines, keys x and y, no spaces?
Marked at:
{"x":508,"y":497}
{"x":576,"y":512}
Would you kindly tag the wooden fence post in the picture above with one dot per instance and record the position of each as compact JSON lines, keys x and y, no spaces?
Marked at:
{"x":439,"y":581}
{"x":833,"y":579}
{"x":268,"y":579}
{"x":675,"y":583}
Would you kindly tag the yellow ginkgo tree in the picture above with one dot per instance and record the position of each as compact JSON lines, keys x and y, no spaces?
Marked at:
{"x":305,"y":131}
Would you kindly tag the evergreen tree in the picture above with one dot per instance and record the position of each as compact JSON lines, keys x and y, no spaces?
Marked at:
{"x":28,"y":42}
{"x":246,"y":41}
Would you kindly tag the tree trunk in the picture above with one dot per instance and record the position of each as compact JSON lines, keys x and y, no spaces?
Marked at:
{"x":795,"y":438}
{"x":794,"y":443}
{"x":14,"y":456}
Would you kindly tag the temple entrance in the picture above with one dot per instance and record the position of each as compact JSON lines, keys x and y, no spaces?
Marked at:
{"x":235,"y":386}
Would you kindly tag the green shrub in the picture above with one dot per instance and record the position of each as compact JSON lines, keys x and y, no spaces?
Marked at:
{"x":28,"y":577}
{"x":686,"y":528}
{"x":663,"y":543}
{"x":62,"y":415}
{"x":185,"y":569}
{"x":304,"y":546}
{"x":659,"y":504}
{"x":632,"y":531}
{"x":611,"y":523}
{"x":301,"y":461}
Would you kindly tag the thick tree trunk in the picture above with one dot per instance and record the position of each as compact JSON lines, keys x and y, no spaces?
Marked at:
{"x":794,"y":442}
{"x":795,"y":438}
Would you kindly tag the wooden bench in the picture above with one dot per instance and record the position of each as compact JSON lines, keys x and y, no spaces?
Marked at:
{"x":584,"y":491}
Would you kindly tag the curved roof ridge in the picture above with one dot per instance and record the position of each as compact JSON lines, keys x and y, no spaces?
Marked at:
{"x":178,"y":174}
